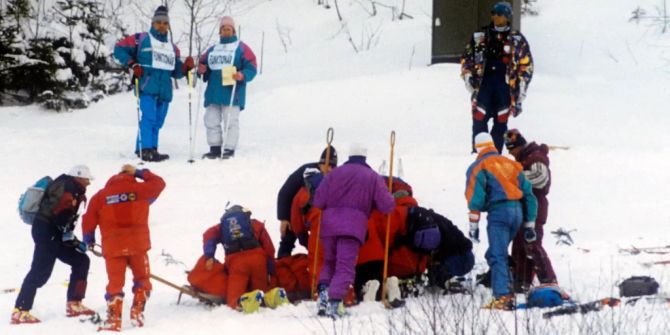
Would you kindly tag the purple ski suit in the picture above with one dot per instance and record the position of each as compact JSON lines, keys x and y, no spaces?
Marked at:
{"x":347,"y":196}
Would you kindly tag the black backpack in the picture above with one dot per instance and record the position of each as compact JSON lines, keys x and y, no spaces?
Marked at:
{"x":637,"y":286}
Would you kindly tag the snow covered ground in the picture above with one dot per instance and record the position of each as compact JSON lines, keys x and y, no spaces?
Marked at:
{"x":600,"y":87}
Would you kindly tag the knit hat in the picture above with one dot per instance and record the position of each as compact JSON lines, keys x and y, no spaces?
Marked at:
{"x":514,"y":139}
{"x":333,"y":156}
{"x":358,"y":149}
{"x":80,"y":171}
{"x":428,"y":238}
{"x":483,"y":140}
{"x":503,"y":8}
{"x":227,"y":21}
{"x":160,"y":15}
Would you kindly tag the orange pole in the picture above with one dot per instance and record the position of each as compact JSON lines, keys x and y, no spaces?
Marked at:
{"x":329,"y":139}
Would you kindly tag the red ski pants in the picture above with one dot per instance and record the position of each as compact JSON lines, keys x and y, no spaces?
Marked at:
{"x":116,"y":273}
{"x":247,"y":271}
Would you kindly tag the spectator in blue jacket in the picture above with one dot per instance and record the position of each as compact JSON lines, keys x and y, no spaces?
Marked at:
{"x":154,"y":62}
{"x":227,"y":67}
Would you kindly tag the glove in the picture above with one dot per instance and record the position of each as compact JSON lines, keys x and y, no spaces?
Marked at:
{"x":68,"y":238}
{"x":188,"y":64}
{"x":529,"y":233}
{"x":473,"y":216}
{"x":202,"y":68}
{"x":138,"y":71}
{"x":239,"y":76}
{"x":89,"y":239}
{"x":284,"y":227}
{"x":470,"y":83}
{"x":522,"y":92}
{"x":82,"y":247}
{"x":209,"y":264}
{"x":474,"y":232}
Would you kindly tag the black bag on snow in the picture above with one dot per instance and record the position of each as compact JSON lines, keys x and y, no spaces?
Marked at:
{"x":638,"y":285}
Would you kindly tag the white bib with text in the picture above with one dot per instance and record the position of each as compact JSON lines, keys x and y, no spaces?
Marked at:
{"x":162,"y":54}
{"x":222,"y":55}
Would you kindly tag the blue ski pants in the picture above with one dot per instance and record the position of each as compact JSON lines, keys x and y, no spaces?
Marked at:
{"x":503,"y":224}
{"x":153,"y":116}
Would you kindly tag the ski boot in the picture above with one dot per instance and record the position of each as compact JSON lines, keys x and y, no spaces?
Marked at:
{"x":322,"y":300}
{"x":335,"y":309}
{"x":159,"y":157}
{"x":228,"y":153}
{"x":76,"y":308}
{"x":504,"y":303}
{"x":114,"y":309}
{"x":393,"y":295}
{"x":275,"y":297}
{"x":370,"y":290}
{"x":214,"y":153}
{"x":137,"y":309}
{"x":251,"y":301}
{"x":19,"y":317}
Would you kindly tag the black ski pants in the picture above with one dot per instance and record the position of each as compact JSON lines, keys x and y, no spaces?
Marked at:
{"x":47,"y":250}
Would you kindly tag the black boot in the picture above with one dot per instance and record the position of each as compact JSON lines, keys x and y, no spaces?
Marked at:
{"x":160,"y":157}
{"x":148,"y":155}
{"x":228,"y":153}
{"x":214,"y":152}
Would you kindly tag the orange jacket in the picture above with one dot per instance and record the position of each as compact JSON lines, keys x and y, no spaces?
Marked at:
{"x":121,"y":209}
{"x":373,"y":248}
{"x":302,"y":223}
{"x":212,"y":237}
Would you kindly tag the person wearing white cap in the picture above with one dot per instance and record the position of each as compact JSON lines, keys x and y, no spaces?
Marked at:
{"x":497,"y":185}
{"x":53,"y":234}
{"x":227,"y":67}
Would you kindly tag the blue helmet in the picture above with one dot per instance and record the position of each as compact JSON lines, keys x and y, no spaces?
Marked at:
{"x":503,"y":8}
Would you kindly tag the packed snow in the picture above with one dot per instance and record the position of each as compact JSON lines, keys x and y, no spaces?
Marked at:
{"x":600,"y":89}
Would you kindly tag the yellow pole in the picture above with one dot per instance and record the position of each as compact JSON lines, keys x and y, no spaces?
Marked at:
{"x":388,"y":225}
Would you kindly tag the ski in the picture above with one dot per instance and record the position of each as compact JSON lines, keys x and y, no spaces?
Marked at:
{"x":94,"y":319}
{"x":650,"y":264}
{"x":583,"y":308}
{"x":660,"y":250}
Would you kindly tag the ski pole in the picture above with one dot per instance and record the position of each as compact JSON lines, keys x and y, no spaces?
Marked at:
{"x":181,"y":289}
{"x":388,"y":226}
{"x":230,"y":110}
{"x":190,"y":119}
{"x":329,"y":139}
{"x":197,"y":114}
{"x":139,"y":118}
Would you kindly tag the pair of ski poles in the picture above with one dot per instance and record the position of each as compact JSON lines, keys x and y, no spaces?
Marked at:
{"x":191,"y":132}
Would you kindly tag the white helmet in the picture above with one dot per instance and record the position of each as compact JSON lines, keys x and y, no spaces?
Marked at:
{"x":81,"y":171}
{"x":358,"y":149}
{"x":483,"y":140}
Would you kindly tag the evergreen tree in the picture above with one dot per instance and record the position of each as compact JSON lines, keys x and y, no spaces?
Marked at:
{"x":12,"y":41}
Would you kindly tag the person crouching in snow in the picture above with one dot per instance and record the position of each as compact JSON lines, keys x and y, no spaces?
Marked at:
{"x":249,"y":259}
{"x":346,"y":195}
{"x":121,"y":209}
{"x":227,"y":67}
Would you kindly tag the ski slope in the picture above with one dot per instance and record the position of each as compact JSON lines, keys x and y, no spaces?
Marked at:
{"x":600,"y":88}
